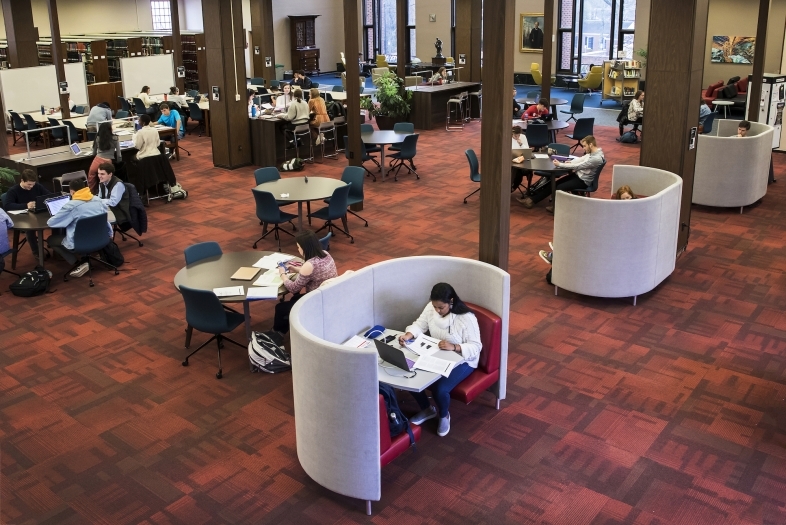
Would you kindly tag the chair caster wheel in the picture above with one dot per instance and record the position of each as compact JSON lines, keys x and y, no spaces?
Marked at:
{"x":219,"y":375}
{"x":140,"y":244}
{"x":117,"y":272}
{"x":185,"y":363}
{"x":255,"y":246}
{"x":352,"y":241}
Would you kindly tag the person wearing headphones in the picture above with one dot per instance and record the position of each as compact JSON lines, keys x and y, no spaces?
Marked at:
{"x":448,"y":319}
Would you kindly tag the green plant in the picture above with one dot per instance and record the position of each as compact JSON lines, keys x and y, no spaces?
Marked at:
{"x":643,"y":54}
{"x":7,"y":179}
{"x":392,"y":97}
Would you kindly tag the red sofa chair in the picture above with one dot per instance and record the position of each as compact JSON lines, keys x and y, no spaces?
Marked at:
{"x":711,"y":93}
{"x":487,"y":372}
{"x":391,"y":448}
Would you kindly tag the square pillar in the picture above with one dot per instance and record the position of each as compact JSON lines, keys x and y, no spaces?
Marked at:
{"x":262,"y":38}
{"x":20,"y":32}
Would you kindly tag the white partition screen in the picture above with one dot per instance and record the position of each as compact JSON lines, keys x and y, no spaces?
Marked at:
{"x":26,"y":89}
{"x":157,"y":71}
{"x":77,"y":83}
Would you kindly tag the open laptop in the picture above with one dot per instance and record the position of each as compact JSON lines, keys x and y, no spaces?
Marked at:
{"x":524,"y":152}
{"x":53,"y":205}
{"x":394,"y":356}
{"x":40,"y":202}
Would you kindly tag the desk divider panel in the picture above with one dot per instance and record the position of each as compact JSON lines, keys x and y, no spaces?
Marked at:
{"x":348,"y":306}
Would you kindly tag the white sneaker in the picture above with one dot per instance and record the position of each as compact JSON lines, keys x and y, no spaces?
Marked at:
{"x":423,"y":416}
{"x":444,"y":426}
{"x":80,"y":270}
{"x":551,"y":246}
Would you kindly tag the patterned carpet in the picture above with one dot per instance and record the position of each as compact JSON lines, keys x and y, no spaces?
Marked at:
{"x":669,"y":412}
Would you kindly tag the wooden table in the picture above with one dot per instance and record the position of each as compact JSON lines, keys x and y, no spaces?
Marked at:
{"x":430,"y":103}
{"x":216,"y":272}
{"x":383,"y":138}
{"x":300,"y":191}
{"x":267,"y":140}
{"x":204,"y":105}
{"x":546,"y":166}
{"x":553,"y":102}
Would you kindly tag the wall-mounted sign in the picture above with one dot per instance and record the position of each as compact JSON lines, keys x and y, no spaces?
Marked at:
{"x":462,"y":59}
{"x":268,"y":61}
{"x":215,"y":93}
{"x":693,"y":132}
{"x":256,"y":50}
{"x":181,"y":72}
{"x":63,"y":88}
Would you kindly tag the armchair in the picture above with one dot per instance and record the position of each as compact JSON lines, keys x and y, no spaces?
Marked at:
{"x":593,"y":79}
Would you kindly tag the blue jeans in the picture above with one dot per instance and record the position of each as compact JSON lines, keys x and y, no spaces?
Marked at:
{"x":440,"y":390}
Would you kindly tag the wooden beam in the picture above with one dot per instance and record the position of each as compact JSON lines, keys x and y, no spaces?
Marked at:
{"x":3,"y":136}
{"x":58,"y":55}
{"x":548,"y":45}
{"x":402,"y":44}
{"x":22,"y":35}
{"x":499,"y":34}
{"x":177,"y":45}
{"x":759,"y":53}
{"x":351,"y":37}
{"x":262,"y":38}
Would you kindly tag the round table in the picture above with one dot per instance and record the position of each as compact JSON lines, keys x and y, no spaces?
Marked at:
{"x":725,"y":104}
{"x":553,"y":102}
{"x":300,"y":191}
{"x":216,"y":272}
{"x":383,"y":138}
{"x":553,"y":125}
{"x":545,"y":166}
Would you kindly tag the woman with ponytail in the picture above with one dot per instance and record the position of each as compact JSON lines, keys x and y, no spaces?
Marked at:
{"x":448,"y":319}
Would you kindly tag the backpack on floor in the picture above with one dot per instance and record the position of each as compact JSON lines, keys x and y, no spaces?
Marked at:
{"x":111,"y":254}
{"x":292,"y":165}
{"x":175,"y":191}
{"x":397,"y":422}
{"x":629,"y":137}
{"x":267,"y":355}
{"x":35,"y":282}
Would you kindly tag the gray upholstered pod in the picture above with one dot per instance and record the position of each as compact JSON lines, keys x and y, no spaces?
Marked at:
{"x":732,"y":171}
{"x":613,"y":248}
{"x":335,"y":387}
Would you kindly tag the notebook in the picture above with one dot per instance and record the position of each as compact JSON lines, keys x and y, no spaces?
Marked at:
{"x":245,"y":274}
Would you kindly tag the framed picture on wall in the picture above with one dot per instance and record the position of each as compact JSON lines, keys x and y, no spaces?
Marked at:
{"x":531,"y":32}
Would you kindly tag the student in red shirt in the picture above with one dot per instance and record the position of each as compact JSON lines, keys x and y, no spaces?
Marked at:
{"x":536,"y":111}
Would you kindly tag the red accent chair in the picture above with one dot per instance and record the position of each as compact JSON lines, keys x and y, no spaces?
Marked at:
{"x":391,"y":448}
{"x":487,"y":372}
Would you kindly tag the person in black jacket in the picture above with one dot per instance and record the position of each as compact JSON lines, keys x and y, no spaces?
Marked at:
{"x":22,"y":196}
{"x":301,"y":80}
{"x":517,"y":109}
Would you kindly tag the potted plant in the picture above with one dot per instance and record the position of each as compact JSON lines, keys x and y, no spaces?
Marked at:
{"x":8,"y":178}
{"x":393,"y":101}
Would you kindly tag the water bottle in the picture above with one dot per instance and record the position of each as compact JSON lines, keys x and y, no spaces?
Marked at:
{"x":253,"y":111}
{"x":43,"y":111}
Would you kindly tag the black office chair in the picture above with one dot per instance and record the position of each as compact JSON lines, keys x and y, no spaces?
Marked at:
{"x":364,"y":156}
{"x":76,"y":135}
{"x":370,"y":148}
{"x":537,"y":136}
{"x":474,"y":174}
{"x":196,"y":114}
{"x":328,"y":98}
{"x":91,"y":234}
{"x":583,"y":128}
{"x":268,"y":212}
{"x":409,"y":148}
{"x":576,"y":106}
{"x":337,"y":209}
{"x":124,"y":105}
{"x":139,"y":106}
{"x":17,"y":126}
{"x":353,"y":176}
{"x":35,"y":131}
{"x":593,"y":187}
{"x":205,"y":313}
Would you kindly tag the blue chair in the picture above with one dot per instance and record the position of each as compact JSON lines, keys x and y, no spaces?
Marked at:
{"x":353,"y":175}
{"x":257,"y":81}
{"x":270,"y":174}
{"x":205,"y":313}
{"x":79,"y":110}
{"x":268,"y":212}
{"x":709,"y":120}
{"x":336,"y":209}
{"x":401,"y":127}
{"x":17,"y":126}
{"x":192,"y":93}
{"x":275,"y":83}
{"x":583,"y":128}
{"x":368,"y":128}
{"x":474,"y":173}
{"x":537,"y":135}
{"x":91,"y":234}
{"x":139,"y":106}
{"x":325,"y":241}
{"x":121,"y":113}
{"x":124,"y":105}
{"x":337,"y":89}
{"x":75,"y":134}
{"x":32,"y":126}
{"x":315,"y":84}
{"x":594,"y":185}
{"x":409,"y":148}
{"x":202,"y":250}
{"x":364,"y":156}
{"x":196,"y":114}
{"x":576,"y":106}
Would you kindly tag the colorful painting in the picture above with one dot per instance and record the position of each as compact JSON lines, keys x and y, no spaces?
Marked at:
{"x":733,"y":49}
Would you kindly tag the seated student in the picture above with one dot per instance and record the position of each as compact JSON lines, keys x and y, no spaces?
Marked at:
{"x":704,"y":112}
{"x":301,"y":80}
{"x":171,"y":119}
{"x":538,"y":110}
{"x":106,"y":147}
{"x":113,"y":194}
{"x":22,"y":196}
{"x":82,"y":204}
{"x":742,"y":128}
{"x":519,"y":142}
{"x":519,"y":139}
{"x":175,"y":96}
{"x":5,"y":224}
{"x":98,"y":114}
{"x":150,"y":105}
{"x":146,"y":140}
{"x":439,"y":76}
{"x":582,"y":172}
{"x":636,"y":109}
{"x":448,"y":319}
{"x":517,"y":110}
{"x":624,"y":193}
{"x":253,"y":109}
{"x":317,"y":108}
{"x":318,"y":267}
{"x":284,"y":99}
{"x":297,"y":113}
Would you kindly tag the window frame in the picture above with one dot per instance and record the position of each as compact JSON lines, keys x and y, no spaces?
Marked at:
{"x":161,"y":12}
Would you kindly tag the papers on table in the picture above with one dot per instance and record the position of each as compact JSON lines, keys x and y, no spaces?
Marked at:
{"x":424,"y":345}
{"x":245,"y":273}
{"x":267,"y":106}
{"x":262,"y":292}
{"x":540,"y":156}
{"x":271,"y":261}
{"x":434,"y":364}
{"x":357,"y":342}
{"x":228,"y":291}
{"x":269,"y":278}
{"x":17,"y":212}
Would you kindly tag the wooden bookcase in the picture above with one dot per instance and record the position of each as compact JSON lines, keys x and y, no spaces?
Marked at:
{"x":620,"y":79}
{"x":305,"y":54}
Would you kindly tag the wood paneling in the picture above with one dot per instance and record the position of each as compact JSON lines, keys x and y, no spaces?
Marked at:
{"x":760,"y":52}
{"x":548,"y":32}
{"x":177,"y":47}
{"x":675,"y":62}
{"x":267,"y":141}
{"x":262,"y":37}
{"x":201,"y":61}
{"x":58,"y":55}
{"x":22,"y":35}
{"x":351,"y":41}
{"x":134,"y":47}
{"x":3,"y":138}
{"x":402,"y":37}
{"x":105,"y":92}
{"x":229,"y":132}
{"x":100,"y":65}
{"x":468,"y":31}
{"x":430,"y":103}
{"x":499,"y":33}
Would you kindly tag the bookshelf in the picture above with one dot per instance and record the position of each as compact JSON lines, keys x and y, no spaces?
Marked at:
{"x":3,"y":54}
{"x":195,"y":61}
{"x":620,"y":79}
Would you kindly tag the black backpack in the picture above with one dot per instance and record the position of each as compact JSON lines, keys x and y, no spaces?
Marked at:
{"x":335,"y":109}
{"x":111,"y":254}
{"x":396,"y":420}
{"x":35,"y":282}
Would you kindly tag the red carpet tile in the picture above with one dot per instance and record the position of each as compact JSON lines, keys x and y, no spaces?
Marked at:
{"x":669,"y":412}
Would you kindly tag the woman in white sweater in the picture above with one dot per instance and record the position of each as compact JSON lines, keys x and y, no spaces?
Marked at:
{"x":146,"y":140}
{"x":297,"y":113}
{"x":448,"y":319}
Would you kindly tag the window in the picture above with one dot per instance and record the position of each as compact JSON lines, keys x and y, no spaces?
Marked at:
{"x":380,"y":30}
{"x":162,"y":16}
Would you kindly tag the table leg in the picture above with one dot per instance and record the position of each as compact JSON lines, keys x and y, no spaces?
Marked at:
{"x":247,"y":314}
{"x":40,"y":247}
{"x":382,"y":161}
{"x":553,"y":188}
{"x":300,"y":215}
{"x":16,"y":249}
{"x":177,"y":150}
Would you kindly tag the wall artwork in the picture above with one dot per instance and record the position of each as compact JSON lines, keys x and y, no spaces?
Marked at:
{"x":531,"y":32}
{"x":733,"y":49}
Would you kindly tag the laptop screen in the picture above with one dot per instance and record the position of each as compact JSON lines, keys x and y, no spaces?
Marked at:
{"x":54,"y":205}
{"x":75,"y":148}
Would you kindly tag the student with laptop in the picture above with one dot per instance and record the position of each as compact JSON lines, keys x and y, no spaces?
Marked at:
{"x":146,"y":140}
{"x":106,"y":147}
{"x":302,"y":81}
{"x":536,"y":111}
{"x":448,"y":319}
{"x":151,"y":106}
{"x":171,"y":119}
{"x":519,"y":144}
{"x":318,"y":267}
{"x":98,"y":114}
{"x":113,"y":193}
{"x":23,"y":196}
{"x":82,"y":204}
